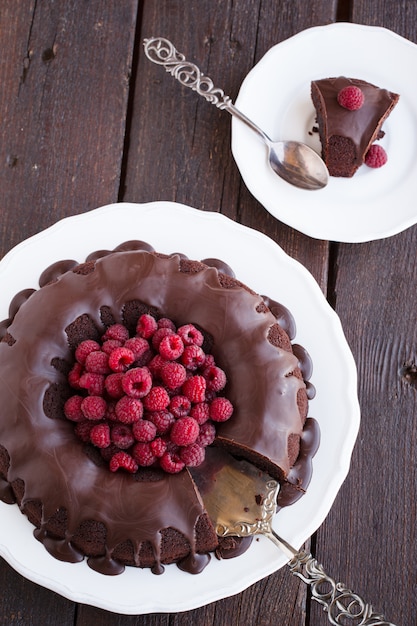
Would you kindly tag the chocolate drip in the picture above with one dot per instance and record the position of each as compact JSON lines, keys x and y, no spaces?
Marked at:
{"x":54,"y":271}
{"x":300,"y":474}
{"x":61,"y":549}
{"x":283,"y":316}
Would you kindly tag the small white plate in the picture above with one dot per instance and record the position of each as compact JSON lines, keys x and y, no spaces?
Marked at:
{"x":260,"y":263}
{"x":276,"y":96}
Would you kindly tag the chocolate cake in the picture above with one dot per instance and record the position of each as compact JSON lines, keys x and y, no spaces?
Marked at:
{"x":145,"y":516}
{"x":346,"y":135}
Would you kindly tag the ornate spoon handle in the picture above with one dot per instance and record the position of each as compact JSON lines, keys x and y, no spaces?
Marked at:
{"x":162,"y":52}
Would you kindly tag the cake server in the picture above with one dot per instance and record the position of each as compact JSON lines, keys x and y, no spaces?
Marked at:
{"x":241,"y":501}
{"x":295,"y":162}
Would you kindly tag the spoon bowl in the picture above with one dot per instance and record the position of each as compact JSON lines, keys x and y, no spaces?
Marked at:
{"x":293,"y":161}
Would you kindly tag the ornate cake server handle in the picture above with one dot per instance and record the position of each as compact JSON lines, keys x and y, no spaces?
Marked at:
{"x":340,"y":603}
{"x":237,"y":509}
{"x":293,"y":161}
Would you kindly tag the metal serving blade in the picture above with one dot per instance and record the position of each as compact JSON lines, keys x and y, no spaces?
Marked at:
{"x":241,"y":501}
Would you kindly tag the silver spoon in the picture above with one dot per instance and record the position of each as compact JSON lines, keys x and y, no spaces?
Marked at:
{"x":293,"y":161}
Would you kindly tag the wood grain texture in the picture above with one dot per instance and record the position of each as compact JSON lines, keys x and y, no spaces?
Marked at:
{"x":86,"y":119}
{"x":65,"y":76}
{"x":375,"y":298}
{"x":376,"y":507}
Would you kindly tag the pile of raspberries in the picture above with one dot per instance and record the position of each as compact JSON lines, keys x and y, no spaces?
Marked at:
{"x":151,"y":400}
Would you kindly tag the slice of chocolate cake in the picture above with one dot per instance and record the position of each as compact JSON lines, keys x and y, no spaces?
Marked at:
{"x":346,"y":133}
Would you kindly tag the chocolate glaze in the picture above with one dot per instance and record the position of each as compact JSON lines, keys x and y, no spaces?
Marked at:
{"x":283,"y":316}
{"x":347,"y":135}
{"x":231,"y":547}
{"x":299,"y":476}
{"x":45,"y":454}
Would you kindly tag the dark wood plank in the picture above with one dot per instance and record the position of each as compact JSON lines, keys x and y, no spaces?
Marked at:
{"x":369,"y":536}
{"x":64,"y":84}
{"x":24,"y":602}
{"x":63,"y":101}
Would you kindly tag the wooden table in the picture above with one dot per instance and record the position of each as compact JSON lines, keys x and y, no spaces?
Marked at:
{"x":86,"y":120}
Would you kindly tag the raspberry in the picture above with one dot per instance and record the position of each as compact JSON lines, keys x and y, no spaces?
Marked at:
{"x":376,"y":156}
{"x":184,"y":431}
{"x":138,"y":345}
{"x":123,"y":460}
{"x":146,"y":326}
{"x":159,"y":335}
{"x":129,"y":410}
{"x":111,"y":412}
{"x":93,"y":383}
{"x":158,"y":446}
{"x":113,"y":385}
{"x":84,"y":348}
{"x":137,"y":382}
{"x":100,"y":435}
{"x":192,"y":455}
{"x":72,"y":409}
{"x":144,"y":430}
{"x":107,"y":453}
{"x":221,"y":409}
{"x":210,"y":395}
{"x":143,"y":455}
{"x":97,"y":362}
{"x":351,"y":97}
{"x":163,"y":420}
{"x":180,"y":406}
{"x":117,"y":332}
{"x":171,"y":463}
{"x":109,"y":345}
{"x":193,"y":357}
{"x":200,"y":412}
{"x":122,"y":436}
{"x":190,"y":335}
{"x":120,"y":359}
{"x":155,"y":366}
{"x":83,"y":429}
{"x":93,"y":407}
{"x":215,"y":378}
{"x":206,"y":435}
{"x":164,"y":322}
{"x":173,"y":374}
{"x":208,"y":361}
{"x":171,"y":347}
{"x":74,"y":375}
{"x":156,"y":400}
{"x":195,"y":388}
